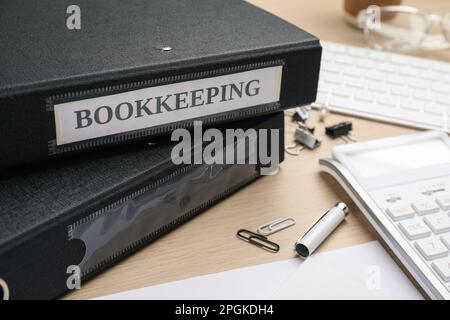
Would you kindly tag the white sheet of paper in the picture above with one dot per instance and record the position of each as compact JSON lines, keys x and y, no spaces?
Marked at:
{"x":321,"y":276}
{"x":258,"y":282}
{"x":361,"y":272}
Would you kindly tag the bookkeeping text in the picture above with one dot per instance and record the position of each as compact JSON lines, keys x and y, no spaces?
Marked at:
{"x":167,"y":103}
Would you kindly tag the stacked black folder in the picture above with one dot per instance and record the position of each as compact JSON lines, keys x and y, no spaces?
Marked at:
{"x":80,"y":184}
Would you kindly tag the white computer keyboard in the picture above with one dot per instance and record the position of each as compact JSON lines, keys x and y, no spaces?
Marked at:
{"x":421,"y":212}
{"x":385,"y":86}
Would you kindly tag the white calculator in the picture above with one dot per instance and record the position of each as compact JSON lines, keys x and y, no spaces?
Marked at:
{"x":402,"y":186}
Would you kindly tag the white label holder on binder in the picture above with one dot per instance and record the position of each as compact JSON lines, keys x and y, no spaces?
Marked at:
{"x":153,"y":106}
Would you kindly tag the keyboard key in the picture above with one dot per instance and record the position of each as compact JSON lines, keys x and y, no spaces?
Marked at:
{"x":332,"y":78}
{"x":424,"y":95}
{"x":376,"y":86}
{"x":414,"y":229}
{"x":321,"y":98}
{"x":442,"y":267}
{"x":364,"y":96}
{"x":323,"y":87}
{"x":412,"y":105}
{"x":344,"y":59}
{"x":401,"y":91}
{"x":399,"y":59}
{"x":365,"y":63}
{"x":352,"y":71}
{"x":419,"y":83}
{"x":440,"y":67}
{"x":446,"y":78}
{"x":420,"y":63}
{"x":377,"y":55}
{"x":440,"y":87}
{"x":374,"y":75}
{"x":330,"y":67}
{"x":342,"y":92}
{"x":387,"y":100}
{"x":395,"y":79}
{"x":386,"y":67}
{"x":434,"y":108}
{"x":444,"y":202}
{"x":400,"y":212}
{"x":425,"y":207}
{"x":327,"y":56}
{"x":439,"y":222}
{"x":335,"y":47}
{"x":431,"y":75}
{"x":444,"y":99}
{"x":354,"y":82}
{"x":431,"y":248}
{"x":356,"y":51}
{"x":445,"y":238}
{"x":409,"y":71}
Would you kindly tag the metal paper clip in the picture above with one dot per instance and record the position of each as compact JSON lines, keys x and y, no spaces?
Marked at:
{"x":276,"y":225}
{"x":258,"y":240}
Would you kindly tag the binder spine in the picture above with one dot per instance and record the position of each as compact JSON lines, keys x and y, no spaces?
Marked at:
{"x":94,"y":92}
{"x":100,"y":256}
{"x":128,"y":223}
{"x":54,"y":149}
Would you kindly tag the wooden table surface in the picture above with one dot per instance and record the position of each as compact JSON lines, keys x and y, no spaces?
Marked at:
{"x":208,"y":243}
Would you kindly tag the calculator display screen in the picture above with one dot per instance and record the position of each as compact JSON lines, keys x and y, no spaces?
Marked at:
{"x":400,"y":158}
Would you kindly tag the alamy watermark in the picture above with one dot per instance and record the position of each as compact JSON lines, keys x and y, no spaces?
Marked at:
{"x":74,"y":279}
{"x":73,"y":20}
{"x":236,"y":146}
{"x":373,"y":277}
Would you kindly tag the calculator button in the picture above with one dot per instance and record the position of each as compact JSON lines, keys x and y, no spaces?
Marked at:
{"x":431,"y":248}
{"x":446,"y":239}
{"x":414,"y":229}
{"x":426,"y":207}
{"x":442,"y":267}
{"x":444,"y":202}
{"x":439,"y":222}
{"x":400,"y":213}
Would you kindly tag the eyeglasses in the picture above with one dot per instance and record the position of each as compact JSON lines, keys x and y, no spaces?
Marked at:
{"x":399,"y":28}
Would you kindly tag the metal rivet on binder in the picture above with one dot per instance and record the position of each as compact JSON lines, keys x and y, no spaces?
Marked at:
{"x":164,"y":48}
{"x":258,"y":240}
{"x":4,"y":290}
{"x":276,"y":225}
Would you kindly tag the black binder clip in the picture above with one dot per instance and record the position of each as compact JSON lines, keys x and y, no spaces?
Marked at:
{"x":258,"y":240}
{"x":341,"y":130}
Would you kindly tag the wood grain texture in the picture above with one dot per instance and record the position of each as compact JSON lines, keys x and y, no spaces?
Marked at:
{"x":208,"y":244}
